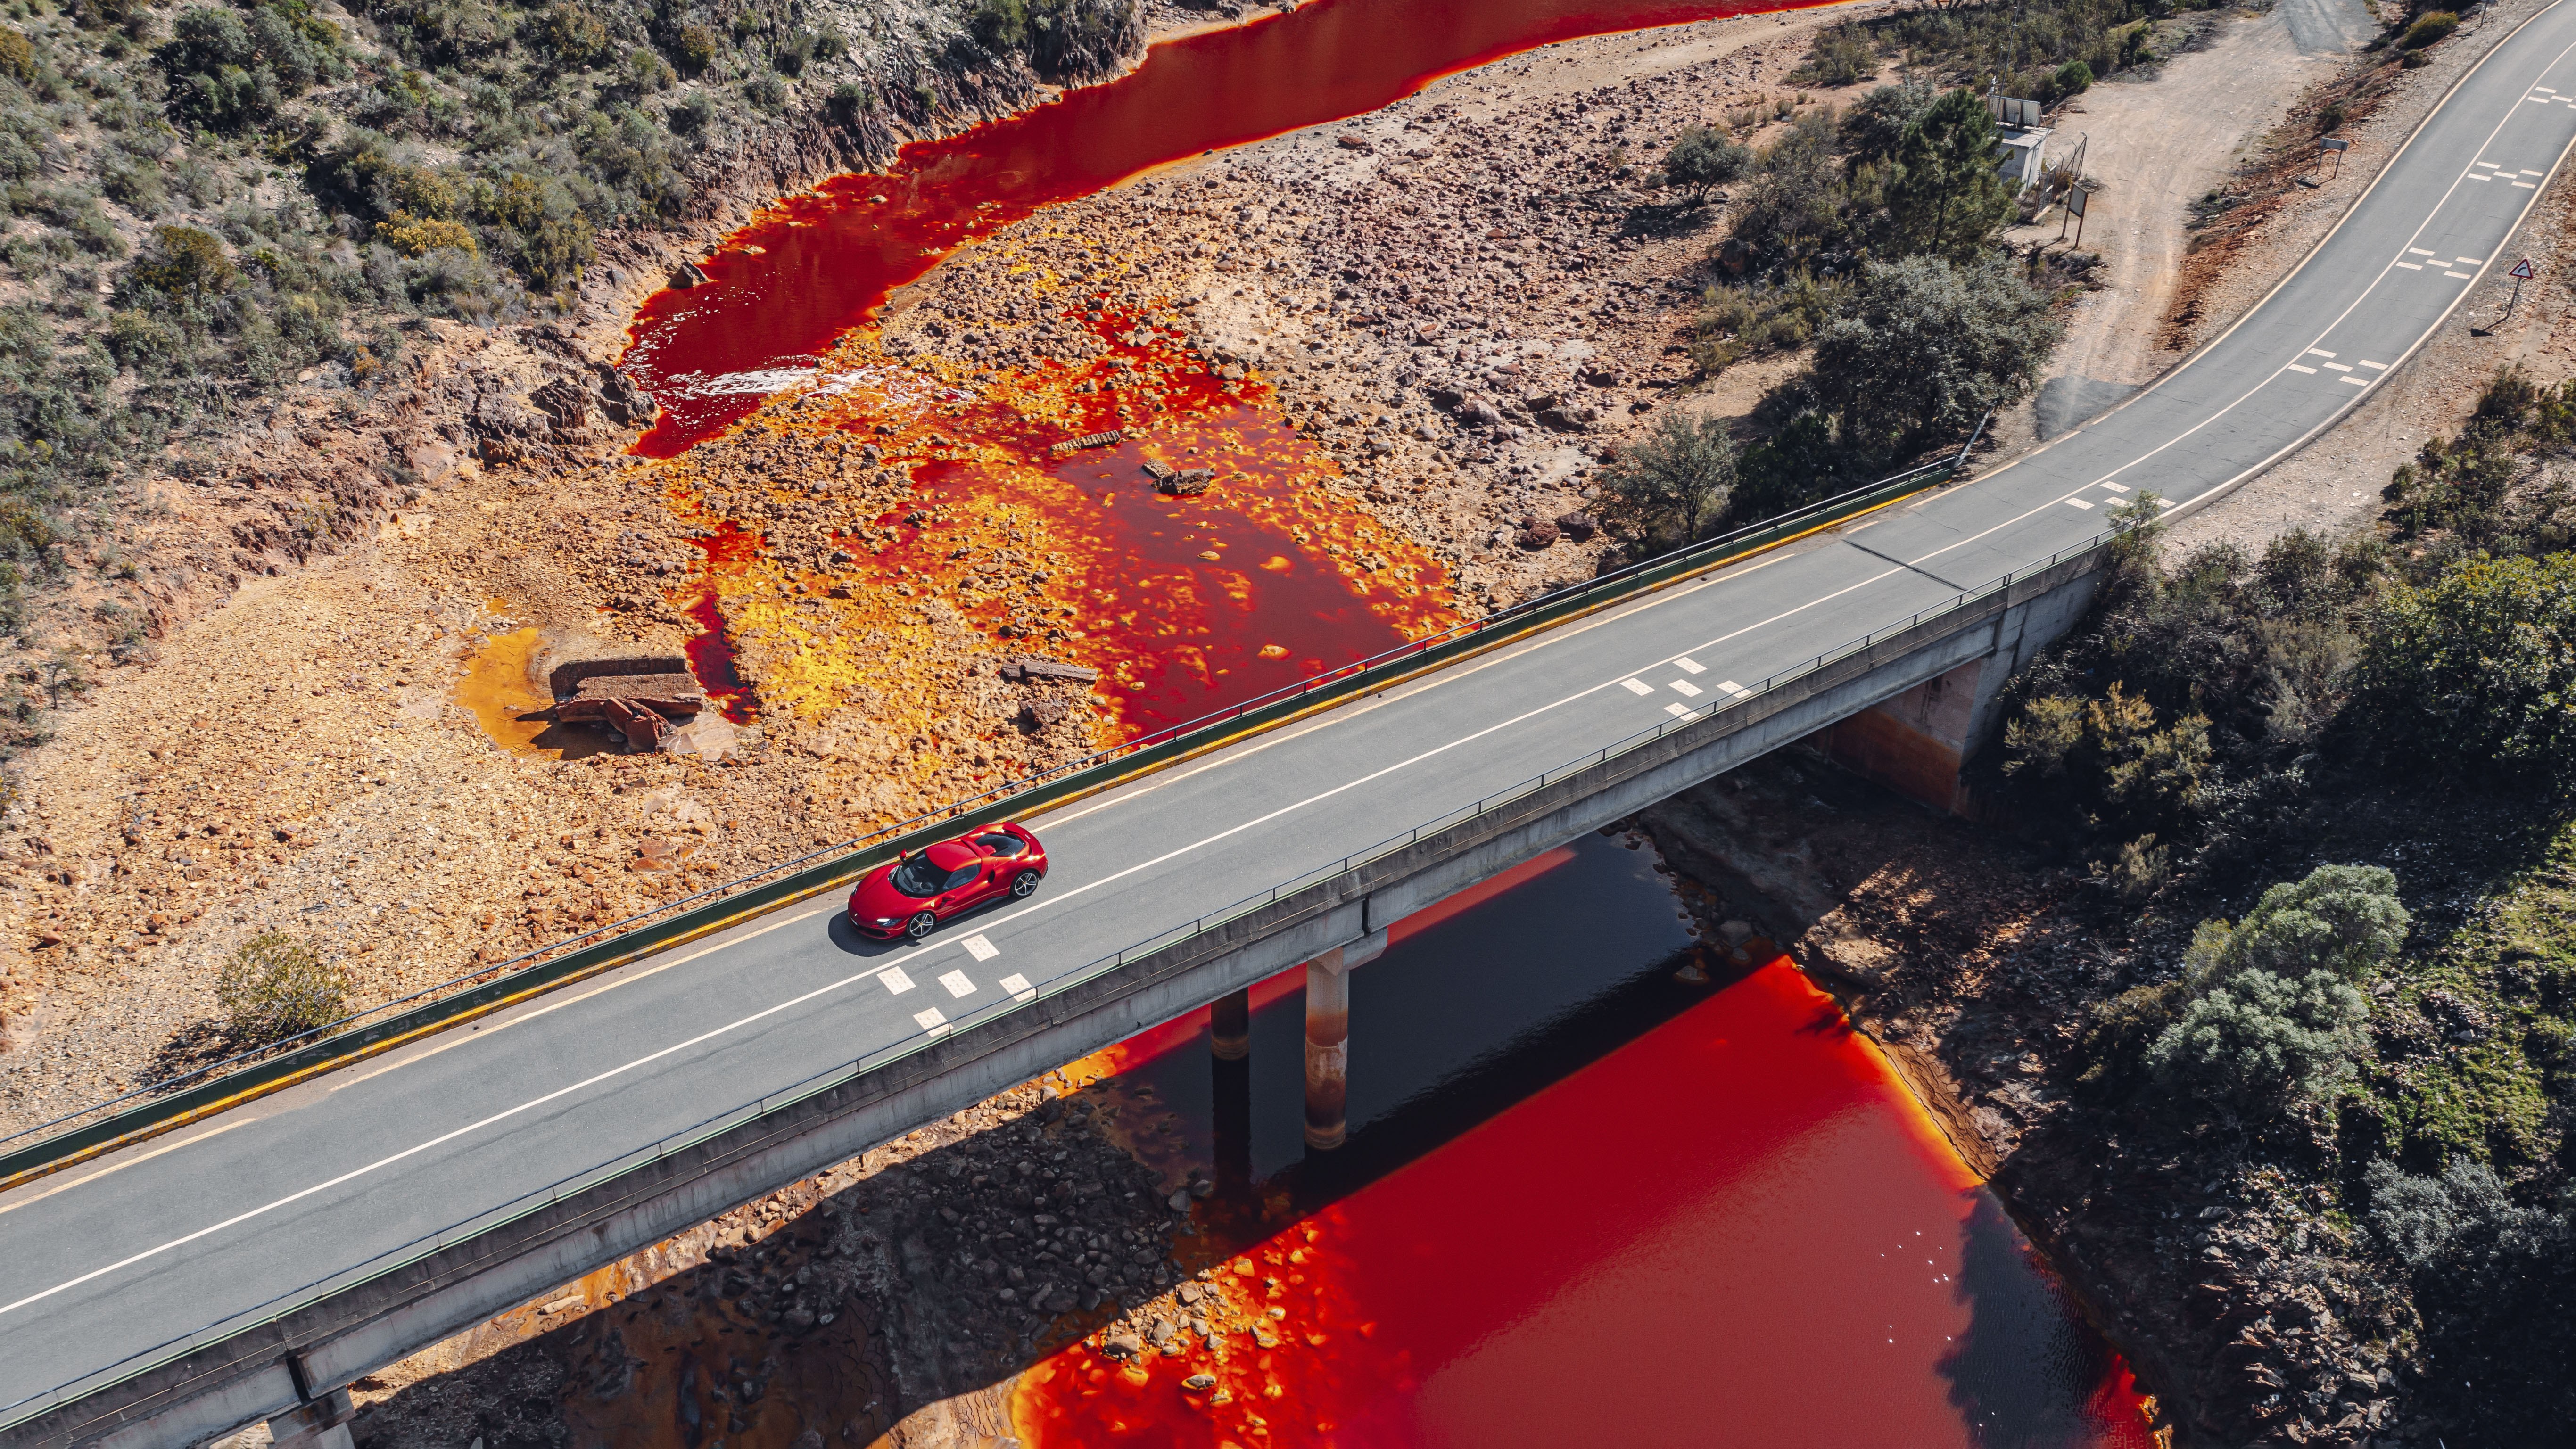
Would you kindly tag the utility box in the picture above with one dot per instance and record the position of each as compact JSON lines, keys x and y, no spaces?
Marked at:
{"x":2021,"y":154}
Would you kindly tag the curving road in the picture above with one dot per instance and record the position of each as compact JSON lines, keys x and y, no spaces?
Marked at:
{"x":105,"y":1262}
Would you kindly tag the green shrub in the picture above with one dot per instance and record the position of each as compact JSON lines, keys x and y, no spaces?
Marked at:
{"x":2072,"y":78}
{"x":1739,"y":322}
{"x":184,"y":262}
{"x":693,"y":49}
{"x":17,"y":55}
{"x":2342,"y":918}
{"x":1672,"y":486}
{"x":1839,"y":56}
{"x":1702,"y":160}
{"x":1921,"y":349}
{"x":2474,"y":674}
{"x":2259,"y":1042}
{"x":2428,"y":28}
{"x":273,"y":986}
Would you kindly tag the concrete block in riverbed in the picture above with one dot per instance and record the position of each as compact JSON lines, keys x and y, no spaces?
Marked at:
{"x":664,"y":694}
{"x":1026,"y":668}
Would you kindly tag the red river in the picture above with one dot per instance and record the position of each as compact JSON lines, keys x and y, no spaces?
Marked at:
{"x":1582,"y":1203}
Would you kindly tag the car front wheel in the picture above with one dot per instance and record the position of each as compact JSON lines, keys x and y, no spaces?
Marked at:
{"x":921,"y":925}
{"x":1025,"y":884}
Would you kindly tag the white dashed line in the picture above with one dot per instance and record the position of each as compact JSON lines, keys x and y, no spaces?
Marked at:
{"x":2412,"y":266}
{"x":2418,"y":251}
{"x":2319,"y":352}
{"x":2338,"y":367}
{"x":2470,"y":261}
{"x":929,"y":1020}
{"x":1677,"y":711}
{"x":2373,"y":366}
{"x":1684,"y":688}
{"x":895,"y":981}
{"x":1730,"y":687}
{"x":2079,"y":503}
{"x":2355,"y":381}
{"x":2461,"y":276}
{"x":2294,"y":367}
{"x":2114,"y":488}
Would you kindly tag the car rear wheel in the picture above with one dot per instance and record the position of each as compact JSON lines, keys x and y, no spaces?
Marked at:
{"x":1025,"y":884}
{"x":921,"y":925}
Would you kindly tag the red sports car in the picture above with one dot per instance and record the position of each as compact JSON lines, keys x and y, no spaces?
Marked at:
{"x":911,"y":894}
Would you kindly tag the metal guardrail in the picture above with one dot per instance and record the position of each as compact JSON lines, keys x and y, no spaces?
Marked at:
{"x":419,"y":1248}
{"x":201,"y":1089}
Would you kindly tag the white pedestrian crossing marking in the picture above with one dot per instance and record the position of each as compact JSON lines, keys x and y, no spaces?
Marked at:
{"x":2113,"y":488}
{"x":2294,"y":367}
{"x":957,"y":984}
{"x":1019,"y":987}
{"x":2079,"y":503}
{"x":981,"y":949}
{"x":1691,"y":666}
{"x":931,"y":1021}
{"x":1676,"y":711}
{"x":895,"y":981}
{"x":1685,"y":689}
{"x":1729,"y":686}
{"x":1638,"y":689}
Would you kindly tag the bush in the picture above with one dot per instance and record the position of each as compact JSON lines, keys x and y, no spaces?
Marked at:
{"x":1947,"y":199}
{"x":416,"y":237}
{"x":1736,"y":322}
{"x":1922,"y":349}
{"x":693,"y":49}
{"x":184,"y":262}
{"x":17,"y":55}
{"x":2428,"y":28}
{"x":2072,"y":78}
{"x":2474,"y":674}
{"x":230,"y":69}
{"x":273,"y":986}
{"x":1703,"y":160}
{"x":2343,"y":918}
{"x":1673,"y":486}
{"x":2259,"y":1042}
{"x":1840,"y":56}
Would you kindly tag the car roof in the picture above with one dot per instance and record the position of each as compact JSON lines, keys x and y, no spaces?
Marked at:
{"x":949,"y":854}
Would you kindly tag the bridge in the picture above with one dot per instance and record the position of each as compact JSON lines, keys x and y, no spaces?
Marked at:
{"x":243,"y":1250}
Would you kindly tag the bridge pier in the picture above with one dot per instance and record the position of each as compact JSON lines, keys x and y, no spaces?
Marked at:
{"x":1328,"y":1038}
{"x":1230,"y":1026}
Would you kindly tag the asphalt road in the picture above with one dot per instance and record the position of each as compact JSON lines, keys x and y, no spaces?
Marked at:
{"x":108,"y":1261}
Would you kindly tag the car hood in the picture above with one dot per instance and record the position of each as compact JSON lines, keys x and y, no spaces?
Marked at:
{"x":876,"y":896}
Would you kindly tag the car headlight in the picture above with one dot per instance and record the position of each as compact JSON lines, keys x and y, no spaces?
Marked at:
{"x":888,"y":920}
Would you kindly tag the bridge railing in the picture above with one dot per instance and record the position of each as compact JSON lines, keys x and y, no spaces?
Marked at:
{"x":209,"y":1087}
{"x":610,"y":1168}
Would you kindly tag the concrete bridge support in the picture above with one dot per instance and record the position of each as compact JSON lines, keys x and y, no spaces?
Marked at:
{"x":1328,"y":1037}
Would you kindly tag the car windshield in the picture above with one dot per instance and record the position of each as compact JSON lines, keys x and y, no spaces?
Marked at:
{"x":918,"y":878}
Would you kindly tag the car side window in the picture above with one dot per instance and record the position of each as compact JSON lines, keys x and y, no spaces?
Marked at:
{"x":961,"y":877}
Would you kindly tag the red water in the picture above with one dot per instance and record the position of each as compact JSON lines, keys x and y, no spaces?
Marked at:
{"x":783,"y":288}
{"x":1737,"y":1229}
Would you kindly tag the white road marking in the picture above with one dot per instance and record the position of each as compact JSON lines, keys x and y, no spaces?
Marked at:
{"x":957,"y":984}
{"x":2113,"y":488}
{"x":70,"y":1181}
{"x":2319,"y":352}
{"x":2473,"y":176}
{"x":981,"y":949}
{"x":2419,"y":251}
{"x":895,"y":981}
{"x":2412,"y":266}
{"x":2462,"y":276}
{"x":929,"y":1019}
{"x":2355,"y":381}
{"x":1684,"y":688}
{"x":1729,"y":686}
{"x":2528,"y":185}
{"x":1691,"y":666}
{"x":2374,"y":366}
{"x":1677,"y":711}
{"x":1637,"y":688}
{"x":2079,"y":503}
{"x":2294,"y":367}
{"x":2338,"y":367}
{"x":1019,"y":987}
{"x":2527,"y":171}
{"x":2470,"y":261}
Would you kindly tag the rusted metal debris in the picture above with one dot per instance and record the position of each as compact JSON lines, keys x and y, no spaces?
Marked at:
{"x":1028,"y":667}
{"x":1090,"y":440}
{"x":639,"y":705}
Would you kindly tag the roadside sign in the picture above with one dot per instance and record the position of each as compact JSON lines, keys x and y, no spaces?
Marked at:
{"x":2334,"y":143}
{"x":2522,"y":271}
{"x":2075,"y":198}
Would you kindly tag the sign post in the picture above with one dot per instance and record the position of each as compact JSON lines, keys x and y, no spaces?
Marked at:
{"x":2522,"y":272}
{"x":2075,"y":198}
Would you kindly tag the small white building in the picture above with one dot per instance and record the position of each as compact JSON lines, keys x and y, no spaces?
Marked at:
{"x":2021,"y":155}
